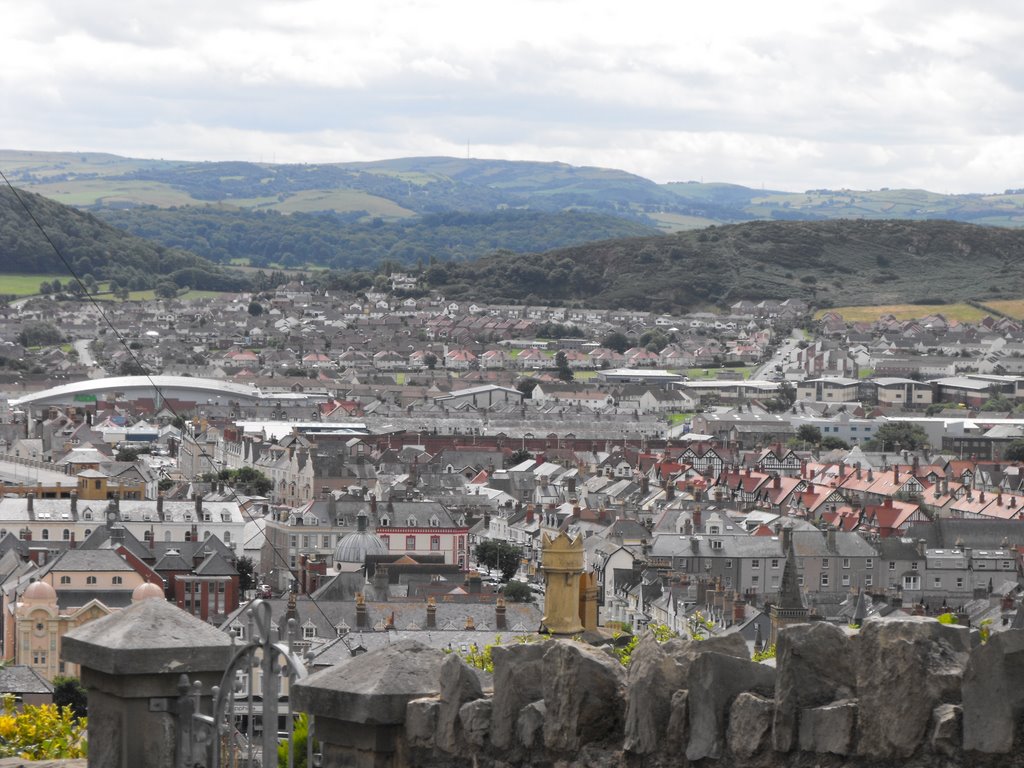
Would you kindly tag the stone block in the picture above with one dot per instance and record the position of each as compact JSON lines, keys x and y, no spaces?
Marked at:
{"x":714,"y":681}
{"x":830,"y":728}
{"x":814,"y":666}
{"x":750,"y":725}
{"x":652,"y":677}
{"x":421,"y":722}
{"x":530,"y":726}
{"x":993,"y":693}
{"x":475,"y":721}
{"x":678,"y":722}
{"x":459,"y":684}
{"x":518,"y":680}
{"x":946,"y":729}
{"x":584,"y":694}
{"x":906,"y":667}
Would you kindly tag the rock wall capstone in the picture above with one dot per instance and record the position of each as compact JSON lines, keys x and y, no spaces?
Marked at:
{"x":907,"y":692}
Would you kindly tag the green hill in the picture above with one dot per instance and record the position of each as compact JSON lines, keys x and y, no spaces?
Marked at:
{"x":94,"y":248}
{"x":826,"y":263}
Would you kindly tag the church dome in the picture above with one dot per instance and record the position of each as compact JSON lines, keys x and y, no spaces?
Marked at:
{"x":356,"y":546}
{"x":41,"y":591}
{"x":147,"y":591}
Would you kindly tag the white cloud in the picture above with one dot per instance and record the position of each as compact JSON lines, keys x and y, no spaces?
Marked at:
{"x":792,"y":95}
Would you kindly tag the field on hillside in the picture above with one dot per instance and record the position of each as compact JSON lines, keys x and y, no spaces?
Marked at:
{"x":111,"y":192}
{"x":1012,"y":307}
{"x":962,"y":312}
{"x":23,"y":285}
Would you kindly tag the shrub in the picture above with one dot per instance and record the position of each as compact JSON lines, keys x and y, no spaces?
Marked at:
{"x":44,"y":732}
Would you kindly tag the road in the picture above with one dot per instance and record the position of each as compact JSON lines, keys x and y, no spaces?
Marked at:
{"x":85,"y":357}
{"x":767,"y":369}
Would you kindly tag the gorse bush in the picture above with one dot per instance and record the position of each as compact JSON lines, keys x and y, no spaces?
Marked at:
{"x":44,"y":732}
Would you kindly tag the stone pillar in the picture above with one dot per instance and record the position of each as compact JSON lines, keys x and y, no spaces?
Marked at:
{"x":562,"y":563}
{"x":131,"y":663}
{"x":360,"y":708}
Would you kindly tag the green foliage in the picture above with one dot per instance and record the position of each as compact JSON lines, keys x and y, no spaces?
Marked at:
{"x":519,"y":455}
{"x":946,"y":618}
{"x":563,"y":371}
{"x":662,"y":633}
{"x":300,"y":737}
{"x":43,"y":732}
{"x":808,"y":433}
{"x":499,"y":555}
{"x":898,"y":436}
{"x":767,"y":653}
{"x":832,"y":443}
{"x":246,"y":573}
{"x":617,"y":341}
{"x":1014,"y":451}
{"x":518,"y":592}
{"x":39,"y":334}
{"x":68,"y":692}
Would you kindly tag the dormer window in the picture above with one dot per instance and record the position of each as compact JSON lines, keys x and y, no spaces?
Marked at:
{"x":384,"y":522}
{"x":434,"y":522}
{"x":411,"y":522}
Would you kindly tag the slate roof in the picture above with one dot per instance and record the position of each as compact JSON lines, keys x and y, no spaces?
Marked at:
{"x":19,"y":678}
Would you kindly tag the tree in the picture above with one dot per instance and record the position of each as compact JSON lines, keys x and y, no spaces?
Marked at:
{"x":526,"y":385}
{"x":1014,"y":451}
{"x":246,"y":573}
{"x":255,"y":308}
{"x":499,"y":555}
{"x":519,"y":456}
{"x":430,"y":360}
{"x":616,"y":340}
{"x":808,"y":433}
{"x":165,"y":290}
{"x":834,"y":443}
{"x":518,"y":592}
{"x":898,"y":436}
{"x":562,"y":367}
{"x":68,"y":692}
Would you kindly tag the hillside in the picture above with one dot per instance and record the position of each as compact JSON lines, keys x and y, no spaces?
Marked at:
{"x":828,"y":263}
{"x":346,"y":241}
{"x":95,"y":249}
{"x":409,"y":187}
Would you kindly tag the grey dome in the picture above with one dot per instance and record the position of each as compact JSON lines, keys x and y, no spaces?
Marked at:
{"x":354,"y":547}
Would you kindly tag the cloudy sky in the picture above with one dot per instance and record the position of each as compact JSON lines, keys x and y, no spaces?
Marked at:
{"x":788,"y":95}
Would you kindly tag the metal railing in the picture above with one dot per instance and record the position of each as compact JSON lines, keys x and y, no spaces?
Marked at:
{"x":228,"y":736}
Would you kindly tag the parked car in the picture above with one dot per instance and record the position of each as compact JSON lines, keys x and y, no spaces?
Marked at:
{"x":264,"y":592}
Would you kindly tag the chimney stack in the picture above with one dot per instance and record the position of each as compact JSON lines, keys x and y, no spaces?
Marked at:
{"x":500,"y":620}
{"x":198,"y":499}
{"x":431,"y":613}
{"x":160,"y":506}
{"x":30,"y":498}
{"x":362,"y":621}
{"x":74,"y":503}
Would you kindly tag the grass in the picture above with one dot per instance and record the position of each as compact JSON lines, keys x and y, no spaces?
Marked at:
{"x":108,"y":192}
{"x":24,"y":285}
{"x":712,"y":372}
{"x":679,"y":418}
{"x":1012,"y":307}
{"x":961,"y":312}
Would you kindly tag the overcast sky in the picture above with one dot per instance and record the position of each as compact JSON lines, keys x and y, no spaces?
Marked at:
{"x":788,"y":95}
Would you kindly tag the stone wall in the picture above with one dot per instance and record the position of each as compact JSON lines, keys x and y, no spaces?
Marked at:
{"x":901,"y":692}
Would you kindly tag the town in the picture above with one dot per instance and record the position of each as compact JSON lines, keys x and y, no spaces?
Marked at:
{"x":376,"y":467}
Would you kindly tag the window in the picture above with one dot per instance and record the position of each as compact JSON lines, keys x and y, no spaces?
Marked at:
{"x":385,"y":522}
{"x":327,"y":541}
{"x":67,"y":534}
{"x":293,"y":540}
{"x":912,"y":582}
{"x":913,"y":566}
{"x":435,"y":543}
{"x":755,"y":579}
{"x":892,"y":565}
{"x":800,"y":579}
{"x":227,"y":537}
{"x":410,"y":542}
{"x":959,"y":582}
{"x":714,"y":529}
{"x":308,"y":632}
{"x":824,"y":562}
{"x":90,"y":579}
{"x":387,"y":541}
{"x":87,"y":532}
{"x":728,"y":564}
{"x":869,"y":580}
{"x":305,"y":542}
{"x":147,"y":535}
{"x":775,"y":563}
{"x":755,"y":563}
{"x":1006,"y":565}
{"x":869,"y":563}
{"x":938,"y":582}
{"x":39,"y":658}
{"x":116,"y":580}
{"x":846,"y":562}
{"x":65,"y":579}
{"x":824,"y":579}
{"x":716,"y":544}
